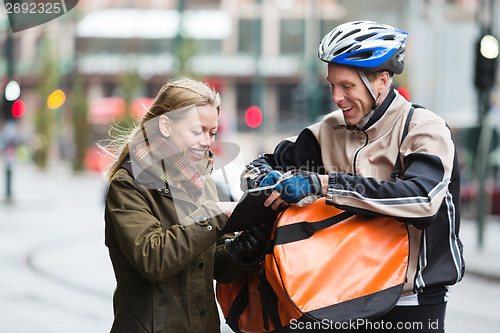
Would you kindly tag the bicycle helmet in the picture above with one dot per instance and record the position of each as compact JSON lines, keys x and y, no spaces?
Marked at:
{"x":366,"y":45}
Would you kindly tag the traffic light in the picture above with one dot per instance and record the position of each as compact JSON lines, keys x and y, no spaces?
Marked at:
{"x":253,"y":116}
{"x":18,"y":108}
{"x":13,"y":109}
{"x":12,"y":106}
{"x":487,"y":50}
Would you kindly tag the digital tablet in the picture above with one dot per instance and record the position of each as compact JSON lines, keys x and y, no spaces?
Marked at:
{"x":250,"y":210}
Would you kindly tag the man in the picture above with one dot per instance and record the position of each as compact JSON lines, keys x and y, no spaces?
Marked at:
{"x":349,"y":157}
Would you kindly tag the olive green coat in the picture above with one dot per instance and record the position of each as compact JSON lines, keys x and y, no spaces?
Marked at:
{"x":164,"y":254}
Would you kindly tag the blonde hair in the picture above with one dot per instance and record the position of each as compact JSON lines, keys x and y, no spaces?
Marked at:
{"x":174,"y":95}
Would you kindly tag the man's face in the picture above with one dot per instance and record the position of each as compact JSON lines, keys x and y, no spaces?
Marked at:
{"x":349,"y":93}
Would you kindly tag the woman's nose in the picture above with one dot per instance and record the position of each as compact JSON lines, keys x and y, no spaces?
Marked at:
{"x":206,"y":140}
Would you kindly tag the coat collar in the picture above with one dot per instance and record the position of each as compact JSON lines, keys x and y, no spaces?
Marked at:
{"x":393,"y":113}
{"x":147,"y":180}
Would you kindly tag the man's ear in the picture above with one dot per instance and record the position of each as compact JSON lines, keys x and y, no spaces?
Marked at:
{"x":384,"y":81}
{"x":164,"y":124}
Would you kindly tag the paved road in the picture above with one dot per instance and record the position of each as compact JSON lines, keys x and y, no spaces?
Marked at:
{"x":56,"y":277}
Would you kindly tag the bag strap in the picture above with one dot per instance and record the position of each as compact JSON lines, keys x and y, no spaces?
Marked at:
{"x":238,"y":305}
{"x":268,"y":302}
{"x":397,"y":172}
{"x":303,"y":230}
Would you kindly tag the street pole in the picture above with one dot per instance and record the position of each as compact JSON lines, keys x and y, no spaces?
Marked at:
{"x":313,"y":93}
{"x":485,"y":78}
{"x":259,"y":81}
{"x":8,"y":153}
{"x":482,"y":164}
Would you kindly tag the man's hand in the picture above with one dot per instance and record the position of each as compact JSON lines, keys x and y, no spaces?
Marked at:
{"x":271,"y":178}
{"x":296,"y":188}
{"x":266,"y":179}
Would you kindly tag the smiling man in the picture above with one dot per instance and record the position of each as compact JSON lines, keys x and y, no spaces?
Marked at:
{"x":350,"y":156}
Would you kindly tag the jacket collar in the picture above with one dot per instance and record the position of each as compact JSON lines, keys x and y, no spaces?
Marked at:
{"x":380,"y":111}
{"x":391,"y":115}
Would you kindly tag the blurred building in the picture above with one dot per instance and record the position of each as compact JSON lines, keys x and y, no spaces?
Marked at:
{"x":255,"y":52}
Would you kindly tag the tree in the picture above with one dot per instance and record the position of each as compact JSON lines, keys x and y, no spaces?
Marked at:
{"x":79,"y":107}
{"x":130,"y":86}
{"x":45,"y":118}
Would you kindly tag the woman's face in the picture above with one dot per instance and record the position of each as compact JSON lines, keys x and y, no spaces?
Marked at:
{"x":194,"y":133}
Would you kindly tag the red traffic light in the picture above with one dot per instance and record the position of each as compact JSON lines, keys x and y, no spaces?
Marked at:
{"x":253,"y":116}
{"x":18,"y":109}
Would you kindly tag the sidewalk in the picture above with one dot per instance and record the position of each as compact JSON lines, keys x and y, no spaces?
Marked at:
{"x":482,"y":261}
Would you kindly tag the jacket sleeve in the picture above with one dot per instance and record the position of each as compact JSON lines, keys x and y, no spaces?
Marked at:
{"x":430,"y":164}
{"x":155,"y":253}
{"x":295,"y":153}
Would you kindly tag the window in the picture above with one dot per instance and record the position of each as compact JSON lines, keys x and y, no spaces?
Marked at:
{"x":248,"y":36}
{"x":292,"y":37}
{"x":243,"y":101}
{"x":297,"y":110}
{"x":292,"y":110}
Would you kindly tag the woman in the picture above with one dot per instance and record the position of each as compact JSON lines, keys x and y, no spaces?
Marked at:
{"x":163,"y":221}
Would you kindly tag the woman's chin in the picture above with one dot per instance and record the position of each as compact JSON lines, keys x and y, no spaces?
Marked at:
{"x":194,"y":158}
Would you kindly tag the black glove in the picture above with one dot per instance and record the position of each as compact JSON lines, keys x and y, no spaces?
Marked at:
{"x":249,"y":245}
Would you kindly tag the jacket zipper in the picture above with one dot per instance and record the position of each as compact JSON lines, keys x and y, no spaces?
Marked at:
{"x":357,"y":152}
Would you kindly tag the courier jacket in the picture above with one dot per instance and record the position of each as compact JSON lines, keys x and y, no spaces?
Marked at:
{"x":166,"y":251}
{"x":359,"y":163}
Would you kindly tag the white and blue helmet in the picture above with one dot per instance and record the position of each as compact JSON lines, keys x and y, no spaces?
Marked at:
{"x":366,"y":45}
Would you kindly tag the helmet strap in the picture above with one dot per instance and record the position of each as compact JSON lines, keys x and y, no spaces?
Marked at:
{"x":368,"y":85}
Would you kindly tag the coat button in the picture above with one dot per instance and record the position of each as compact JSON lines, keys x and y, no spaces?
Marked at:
{"x":201,"y":264}
{"x":202,"y":312}
{"x":203,"y":219}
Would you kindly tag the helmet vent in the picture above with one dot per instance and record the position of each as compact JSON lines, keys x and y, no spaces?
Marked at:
{"x":334,"y":37}
{"x":353,"y":48}
{"x":361,"y":38}
{"x":361,"y":55}
{"x":355,"y":31}
{"x":339,"y":51}
{"x":389,"y":37}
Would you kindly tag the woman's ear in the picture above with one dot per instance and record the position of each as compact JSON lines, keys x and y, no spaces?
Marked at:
{"x":164,"y":124}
